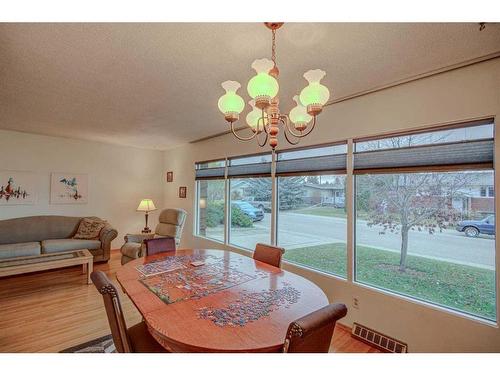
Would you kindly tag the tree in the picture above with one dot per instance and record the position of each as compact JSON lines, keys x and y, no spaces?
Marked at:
{"x":291,"y":190}
{"x":402,"y":202}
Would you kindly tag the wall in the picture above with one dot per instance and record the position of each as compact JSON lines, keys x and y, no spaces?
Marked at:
{"x":461,"y":94}
{"x":119,"y":177}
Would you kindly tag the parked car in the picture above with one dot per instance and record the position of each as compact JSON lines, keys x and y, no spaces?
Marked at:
{"x":253,"y":213}
{"x":264,"y":206}
{"x":472,"y":228}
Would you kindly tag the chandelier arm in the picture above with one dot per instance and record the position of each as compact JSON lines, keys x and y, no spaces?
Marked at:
{"x":301,"y":134}
{"x":264,"y":126}
{"x":265,"y":140}
{"x":240,"y":137}
{"x":288,"y":139}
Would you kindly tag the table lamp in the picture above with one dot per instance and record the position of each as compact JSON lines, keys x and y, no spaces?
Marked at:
{"x":146,"y":206}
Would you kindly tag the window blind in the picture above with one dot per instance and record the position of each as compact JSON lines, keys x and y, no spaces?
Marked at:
{"x":328,"y":163}
{"x":447,"y":154}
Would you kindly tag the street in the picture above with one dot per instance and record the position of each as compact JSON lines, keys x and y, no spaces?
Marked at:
{"x":301,"y":230}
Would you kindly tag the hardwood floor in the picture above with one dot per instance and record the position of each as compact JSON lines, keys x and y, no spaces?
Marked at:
{"x":54,"y":310}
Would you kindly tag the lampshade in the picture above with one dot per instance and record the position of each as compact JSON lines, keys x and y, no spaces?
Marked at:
{"x":253,"y":118}
{"x":299,"y":116}
{"x":231,"y":104}
{"x":262,"y":85}
{"x":315,"y":93}
{"x":146,"y":205}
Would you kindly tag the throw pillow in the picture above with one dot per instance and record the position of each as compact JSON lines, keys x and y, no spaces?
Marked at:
{"x":89,"y":229}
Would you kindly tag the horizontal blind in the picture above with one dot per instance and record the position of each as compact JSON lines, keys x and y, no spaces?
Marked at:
{"x":249,"y":170}
{"x":329,"y":163}
{"x":448,"y":154}
{"x":210,"y":173}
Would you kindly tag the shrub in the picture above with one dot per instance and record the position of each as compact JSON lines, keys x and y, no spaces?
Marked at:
{"x":215,"y":215}
{"x":239,"y":218}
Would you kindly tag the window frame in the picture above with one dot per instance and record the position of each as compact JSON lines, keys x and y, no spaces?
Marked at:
{"x":350,"y":201}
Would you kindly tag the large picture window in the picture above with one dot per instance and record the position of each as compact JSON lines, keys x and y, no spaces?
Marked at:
{"x":426,"y":230}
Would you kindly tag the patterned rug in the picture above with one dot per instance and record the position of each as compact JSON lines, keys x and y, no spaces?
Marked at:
{"x":103,"y":344}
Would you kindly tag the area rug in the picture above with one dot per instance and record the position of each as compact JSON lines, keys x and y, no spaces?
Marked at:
{"x":103,"y":344}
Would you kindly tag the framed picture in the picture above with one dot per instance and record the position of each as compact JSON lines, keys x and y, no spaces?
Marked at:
{"x":182,"y":192}
{"x":170,"y":176}
{"x":17,"y":187}
{"x":69,"y":188}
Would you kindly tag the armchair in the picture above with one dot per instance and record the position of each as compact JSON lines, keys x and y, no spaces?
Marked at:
{"x":171,"y":224}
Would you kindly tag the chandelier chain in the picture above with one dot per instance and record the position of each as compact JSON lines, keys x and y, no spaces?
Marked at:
{"x":273,"y":49}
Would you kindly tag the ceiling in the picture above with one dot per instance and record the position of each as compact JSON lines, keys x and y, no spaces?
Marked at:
{"x":156,"y":85}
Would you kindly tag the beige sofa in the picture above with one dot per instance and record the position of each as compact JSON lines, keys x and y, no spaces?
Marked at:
{"x":171,"y":223}
{"x":35,"y":235}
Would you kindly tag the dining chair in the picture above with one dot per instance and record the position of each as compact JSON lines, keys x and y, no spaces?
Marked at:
{"x":159,"y":245}
{"x":268,"y":254}
{"x":313,"y":333}
{"x":135,"y":339}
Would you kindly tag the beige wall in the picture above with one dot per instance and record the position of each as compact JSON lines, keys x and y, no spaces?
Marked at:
{"x":462,"y":94}
{"x":118,"y":177}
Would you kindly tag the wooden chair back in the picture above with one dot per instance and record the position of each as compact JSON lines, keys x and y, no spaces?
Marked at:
{"x":159,"y":245}
{"x":113,"y":311}
{"x":313,"y":333}
{"x":268,"y":254}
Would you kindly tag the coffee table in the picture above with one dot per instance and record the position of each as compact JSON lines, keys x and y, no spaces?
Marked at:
{"x":16,"y":266}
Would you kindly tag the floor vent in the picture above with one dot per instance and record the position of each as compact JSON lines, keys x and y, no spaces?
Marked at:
{"x":377,"y":339}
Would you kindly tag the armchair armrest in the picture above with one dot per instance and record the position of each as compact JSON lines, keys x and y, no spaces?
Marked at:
{"x":138,"y":237}
{"x":108,"y":234}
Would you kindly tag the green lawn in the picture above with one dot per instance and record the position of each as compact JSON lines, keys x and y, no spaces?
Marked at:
{"x":460,"y":287}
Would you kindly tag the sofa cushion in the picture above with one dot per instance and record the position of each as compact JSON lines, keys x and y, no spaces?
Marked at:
{"x":89,"y":229}
{"x":55,"y":246}
{"x":23,"y":249}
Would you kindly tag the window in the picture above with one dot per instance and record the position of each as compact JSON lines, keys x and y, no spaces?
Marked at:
{"x":312,"y":220}
{"x":491,"y":191}
{"x":250,"y":211}
{"x":211,"y":209}
{"x":210,"y":199}
{"x":483,"y":191}
{"x":250,"y":187}
{"x":417,"y":223}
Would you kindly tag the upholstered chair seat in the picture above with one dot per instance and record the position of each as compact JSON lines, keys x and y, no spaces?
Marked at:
{"x":170,"y":224}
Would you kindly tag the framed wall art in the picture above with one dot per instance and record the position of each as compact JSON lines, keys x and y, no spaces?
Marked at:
{"x":17,"y":187}
{"x":68,"y":188}
{"x":170,"y":176}
{"x":182,"y":192}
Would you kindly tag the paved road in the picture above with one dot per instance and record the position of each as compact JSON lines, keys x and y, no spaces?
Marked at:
{"x":299,"y":230}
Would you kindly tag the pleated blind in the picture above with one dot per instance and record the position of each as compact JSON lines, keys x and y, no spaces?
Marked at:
{"x":210,"y":170}
{"x":448,"y":154}
{"x":329,"y":159}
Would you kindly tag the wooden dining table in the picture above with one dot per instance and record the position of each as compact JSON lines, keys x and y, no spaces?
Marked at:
{"x":208,"y":300}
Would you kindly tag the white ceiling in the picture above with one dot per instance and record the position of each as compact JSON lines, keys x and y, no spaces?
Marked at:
{"x":157,"y":85}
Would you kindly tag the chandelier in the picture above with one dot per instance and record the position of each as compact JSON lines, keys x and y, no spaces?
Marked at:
{"x":265,"y":119}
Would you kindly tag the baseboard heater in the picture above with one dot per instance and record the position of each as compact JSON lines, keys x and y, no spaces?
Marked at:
{"x":378,"y":340}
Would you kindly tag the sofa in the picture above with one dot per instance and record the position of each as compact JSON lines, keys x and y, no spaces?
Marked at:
{"x":171,"y":223}
{"x":35,"y":235}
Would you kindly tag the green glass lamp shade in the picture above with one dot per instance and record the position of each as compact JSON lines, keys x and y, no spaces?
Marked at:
{"x":231,"y":102}
{"x":262,"y":84}
{"x":299,"y":115}
{"x":315,"y":92}
{"x":254,"y":118}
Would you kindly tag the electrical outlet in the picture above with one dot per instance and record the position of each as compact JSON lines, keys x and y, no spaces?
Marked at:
{"x":355,"y":302}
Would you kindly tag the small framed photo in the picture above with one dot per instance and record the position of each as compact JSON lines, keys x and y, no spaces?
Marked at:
{"x":170,"y":176}
{"x":182,"y":191}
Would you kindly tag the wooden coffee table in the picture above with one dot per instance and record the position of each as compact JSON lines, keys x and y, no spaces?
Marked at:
{"x":16,"y":266}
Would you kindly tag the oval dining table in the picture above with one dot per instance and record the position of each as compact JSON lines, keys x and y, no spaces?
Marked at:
{"x":227,"y":302}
